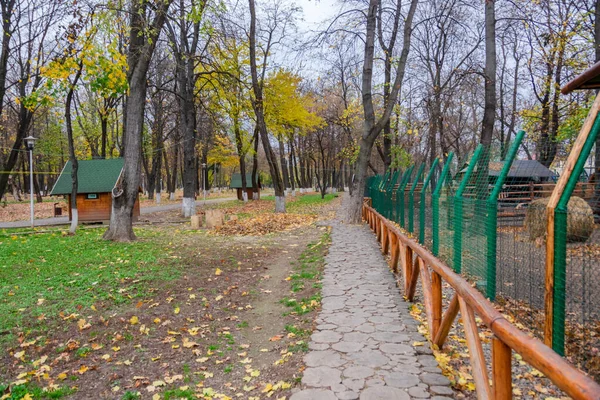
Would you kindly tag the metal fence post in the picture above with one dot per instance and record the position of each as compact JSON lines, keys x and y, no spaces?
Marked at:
{"x":411,"y":199}
{"x":492,"y":217}
{"x":458,"y":210}
{"x":423,"y":200}
{"x":435,"y":205}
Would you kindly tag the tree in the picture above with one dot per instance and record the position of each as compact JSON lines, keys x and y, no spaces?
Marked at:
{"x":142,"y":42}
{"x":259,"y":111}
{"x":373,"y":125}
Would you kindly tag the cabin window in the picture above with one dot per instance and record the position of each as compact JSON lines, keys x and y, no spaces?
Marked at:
{"x":92,"y":196}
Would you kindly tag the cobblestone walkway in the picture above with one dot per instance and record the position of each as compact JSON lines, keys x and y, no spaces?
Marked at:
{"x":362,"y":346}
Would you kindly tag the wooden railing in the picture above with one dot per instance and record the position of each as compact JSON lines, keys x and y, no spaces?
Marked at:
{"x":414,"y":262}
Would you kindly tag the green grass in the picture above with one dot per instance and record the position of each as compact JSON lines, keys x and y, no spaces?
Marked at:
{"x":43,"y":275}
{"x":307,"y":270}
{"x":305,"y":202}
{"x":35,"y":392}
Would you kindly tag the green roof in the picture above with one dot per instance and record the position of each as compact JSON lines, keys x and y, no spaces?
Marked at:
{"x":236,"y":181}
{"x":93,"y":176}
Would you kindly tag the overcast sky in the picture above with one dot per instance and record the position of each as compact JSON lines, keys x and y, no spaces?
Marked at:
{"x":316,"y":12}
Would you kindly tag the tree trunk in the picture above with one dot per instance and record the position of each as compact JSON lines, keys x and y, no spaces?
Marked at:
{"x":489,"y":111}
{"x":141,"y":48}
{"x":596,"y":203}
{"x":72,"y":156}
{"x":373,"y":127}
{"x":284,"y":167}
{"x":255,"y":188}
{"x":258,"y":105}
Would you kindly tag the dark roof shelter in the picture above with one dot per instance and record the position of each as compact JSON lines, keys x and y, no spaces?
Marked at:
{"x":236,"y":183}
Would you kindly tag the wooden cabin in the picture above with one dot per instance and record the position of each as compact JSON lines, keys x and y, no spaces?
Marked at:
{"x":236,"y":183}
{"x":96,"y":180}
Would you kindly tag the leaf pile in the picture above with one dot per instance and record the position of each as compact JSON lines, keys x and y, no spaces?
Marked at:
{"x":264,"y":224}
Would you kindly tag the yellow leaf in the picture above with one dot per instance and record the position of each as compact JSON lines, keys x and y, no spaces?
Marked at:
{"x":116,"y":348}
{"x":218,"y":272}
{"x":83,"y":324}
{"x":267,"y":388}
{"x":20,"y":355}
{"x":134,"y":320}
{"x":176,"y":311}
{"x":82,"y":370}
{"x":416,"y":344}
{"x":157,"y":320}
{"x":62,"y":376}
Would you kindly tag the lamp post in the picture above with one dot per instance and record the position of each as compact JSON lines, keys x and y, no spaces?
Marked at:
{"x":30,"y":142}
{"x":204,"y":182}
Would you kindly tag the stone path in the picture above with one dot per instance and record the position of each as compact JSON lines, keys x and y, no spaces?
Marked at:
{"x":362,"y":346}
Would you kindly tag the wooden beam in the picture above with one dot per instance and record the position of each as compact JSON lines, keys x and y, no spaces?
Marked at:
{"x":427,"y":296}
{"x":384,"y":238}
{"x":408,"y":267}
{"x":440,"y":337}
{"x":412,"y":285}
{"x":436,"y":302}
{"x":478,"y":367}
{"x":501,"y":370}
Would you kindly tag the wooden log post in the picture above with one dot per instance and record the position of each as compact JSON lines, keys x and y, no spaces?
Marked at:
{"x":501,"y":370}
{"x":427,"y":295}
{"x":408,"y":267}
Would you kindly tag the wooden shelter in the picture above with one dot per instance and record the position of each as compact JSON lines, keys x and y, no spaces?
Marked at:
{"x":96,"y":180}
{"x":236,"y":183}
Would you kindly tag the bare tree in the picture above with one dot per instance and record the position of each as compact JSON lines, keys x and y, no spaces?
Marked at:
{"x":373,"y":126}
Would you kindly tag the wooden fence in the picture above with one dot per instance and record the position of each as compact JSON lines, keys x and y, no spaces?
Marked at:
{"x":414,"y":262}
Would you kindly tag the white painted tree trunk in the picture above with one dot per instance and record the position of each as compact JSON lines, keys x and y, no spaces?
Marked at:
{"x":188,"y":207}
{"x":279,"y":204}
{"x":157,"y":197}
{"x":245,"y":196}
{"x":172,"y":196}
{"x":254,"y":195}
{"x":74,"y":221}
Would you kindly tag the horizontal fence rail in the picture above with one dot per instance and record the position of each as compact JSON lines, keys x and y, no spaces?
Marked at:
{"x":414,"y":262}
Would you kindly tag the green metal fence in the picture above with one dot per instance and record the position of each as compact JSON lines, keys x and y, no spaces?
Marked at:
{"x":473,"y":215}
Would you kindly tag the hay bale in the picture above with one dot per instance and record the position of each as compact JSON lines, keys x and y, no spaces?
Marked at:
{"x":580,"y":219}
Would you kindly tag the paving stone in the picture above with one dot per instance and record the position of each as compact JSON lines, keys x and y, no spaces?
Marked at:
{"x":321,"y":377}
{"x":400,"y":380}
{"x":434,"y":379}
{"x":383,"y":393}
{"x":318,"y":346}
{"x":370,"y":358}
{"x":418,"y":393}
{"x":354,"y":384}
{"x":358,"y":372}
{"x":348,"y":395}
{"x":441,"y":390}
{"x":427,"y":361}
{"x":314,"y":394}
{"x":348,"y":347}
{"x":325,"y":358}
{"x":326,"y":337}
{"x":396,"y":348}
{"x":390,"y":337}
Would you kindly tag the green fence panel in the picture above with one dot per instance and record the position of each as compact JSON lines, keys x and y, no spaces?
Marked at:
{"x":560,"y":243}
{"x":400,"y":196}
{"x":458,"y":210}
{"x":423,"y":200}
{"x":411,"y":199}
{"x":492,"y":217}
{"x":435,"y":204}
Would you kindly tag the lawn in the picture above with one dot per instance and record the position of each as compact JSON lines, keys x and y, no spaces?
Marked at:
{"x":55,"y":274}
{"x":177,"y":314}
